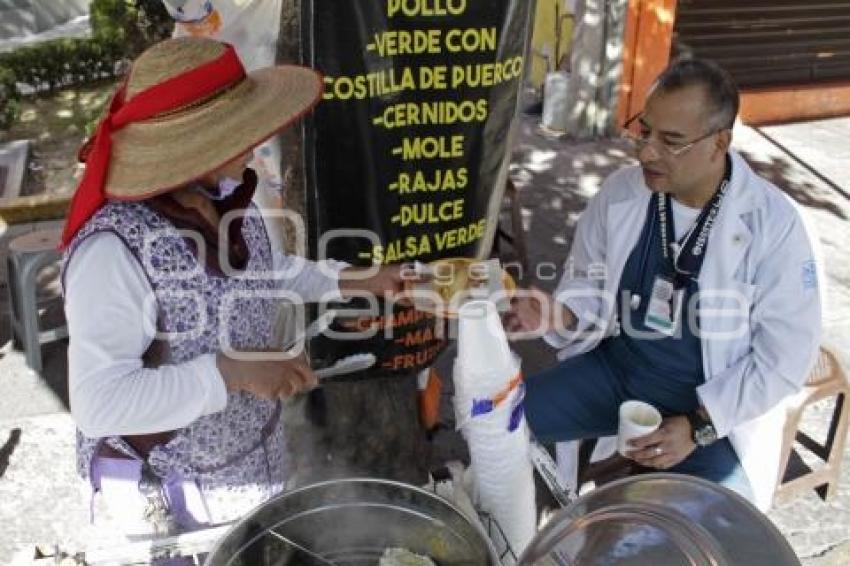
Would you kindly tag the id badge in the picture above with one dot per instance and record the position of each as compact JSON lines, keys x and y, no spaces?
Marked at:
{"x":665,"y":306}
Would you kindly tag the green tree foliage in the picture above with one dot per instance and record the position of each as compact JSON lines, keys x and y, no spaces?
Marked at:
{"x":121,"y":29}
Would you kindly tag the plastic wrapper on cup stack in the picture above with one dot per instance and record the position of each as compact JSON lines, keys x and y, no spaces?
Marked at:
{"x":488,"y":406}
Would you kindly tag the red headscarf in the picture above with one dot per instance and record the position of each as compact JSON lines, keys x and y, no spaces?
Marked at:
{"x":172,"y":94}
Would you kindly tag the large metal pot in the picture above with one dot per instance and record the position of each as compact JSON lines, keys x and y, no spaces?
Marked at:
{"x":351,"y":522}
{"x":653,"y":519}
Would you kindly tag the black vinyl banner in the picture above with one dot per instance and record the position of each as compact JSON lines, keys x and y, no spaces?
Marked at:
{"x":405,"y":153}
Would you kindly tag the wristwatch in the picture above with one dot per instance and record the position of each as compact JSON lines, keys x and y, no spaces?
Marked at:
{"x":703,"y":431}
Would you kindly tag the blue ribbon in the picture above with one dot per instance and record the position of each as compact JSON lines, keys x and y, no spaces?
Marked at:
{"x":484,"y":406}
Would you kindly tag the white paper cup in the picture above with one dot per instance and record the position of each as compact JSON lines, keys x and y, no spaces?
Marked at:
{"x":636,"y":419}
{"x":481,"y":343}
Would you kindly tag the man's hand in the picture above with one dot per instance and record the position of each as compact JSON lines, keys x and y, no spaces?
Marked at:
{"x":534,"y":310}
{"x":267,"y":379}
{"x":666,"y":447}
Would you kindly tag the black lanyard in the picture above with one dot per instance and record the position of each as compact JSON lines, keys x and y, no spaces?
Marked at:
{"x":687,"y":263}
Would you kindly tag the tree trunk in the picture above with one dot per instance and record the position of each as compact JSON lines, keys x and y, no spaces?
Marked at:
{"x":365,"y":428}
{"x":596,"y":66}
{"x":292,"y":155}
{"x":372,"y":429}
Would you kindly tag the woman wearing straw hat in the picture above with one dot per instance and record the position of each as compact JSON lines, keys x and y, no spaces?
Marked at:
{"x":167,"y":271}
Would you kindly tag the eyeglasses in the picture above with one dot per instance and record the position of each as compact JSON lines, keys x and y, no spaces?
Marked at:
{"x":670,"y":149}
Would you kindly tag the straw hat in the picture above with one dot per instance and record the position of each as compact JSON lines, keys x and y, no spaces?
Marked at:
{"x":156,"y":155}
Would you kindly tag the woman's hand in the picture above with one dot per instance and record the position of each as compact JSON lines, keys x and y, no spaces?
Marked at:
{"x":387,"y":283}
{"x":268,"y":379}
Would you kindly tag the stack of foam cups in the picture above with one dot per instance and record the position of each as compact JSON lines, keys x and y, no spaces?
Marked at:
{"x":488,"y":407}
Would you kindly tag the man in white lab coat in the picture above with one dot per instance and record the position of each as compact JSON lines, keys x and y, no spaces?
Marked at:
{"x":691,"y":285}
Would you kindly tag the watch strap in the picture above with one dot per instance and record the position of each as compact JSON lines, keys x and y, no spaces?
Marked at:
{"x":702,"y":429}
{"x":697,"y":422}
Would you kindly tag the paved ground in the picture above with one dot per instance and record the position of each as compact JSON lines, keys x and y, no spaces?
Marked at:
{"x":556,"y":178}
{"x":806,"y":161}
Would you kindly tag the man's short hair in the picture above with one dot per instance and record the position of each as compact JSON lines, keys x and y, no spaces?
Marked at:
{"x":719,"y":87}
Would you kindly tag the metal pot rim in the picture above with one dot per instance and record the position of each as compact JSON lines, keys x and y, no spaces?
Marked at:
{"x":585,"y":504}
{"x":354,"y":481}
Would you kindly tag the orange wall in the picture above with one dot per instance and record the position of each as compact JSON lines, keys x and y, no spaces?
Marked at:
{"x":797,"y":102}
{"x":647,"y":41}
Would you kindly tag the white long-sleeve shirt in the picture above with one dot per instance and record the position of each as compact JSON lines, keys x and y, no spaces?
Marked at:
{"x":111,"y":325}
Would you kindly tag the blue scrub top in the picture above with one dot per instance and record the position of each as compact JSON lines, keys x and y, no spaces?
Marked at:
{"x":666,"y":368}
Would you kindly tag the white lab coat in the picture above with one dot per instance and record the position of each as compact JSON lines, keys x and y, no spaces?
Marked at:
{"x":759,"y":250}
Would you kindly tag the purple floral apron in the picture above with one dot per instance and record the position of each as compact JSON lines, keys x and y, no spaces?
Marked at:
{"x":236,"y":458}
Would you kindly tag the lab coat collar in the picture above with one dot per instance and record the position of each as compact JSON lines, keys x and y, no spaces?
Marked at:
{"x":728,"y":242}
{"x":731,"y":236}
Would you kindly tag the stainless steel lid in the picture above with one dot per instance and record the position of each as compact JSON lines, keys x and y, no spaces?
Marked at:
{"x":660,"y":519}
{"x":351,"y":522}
